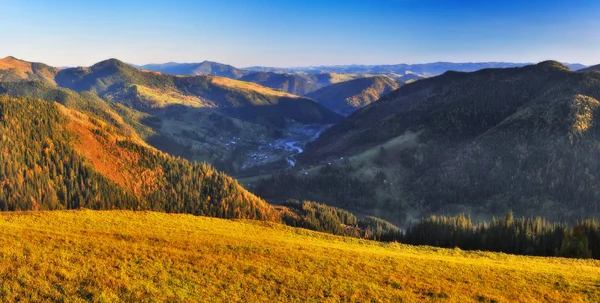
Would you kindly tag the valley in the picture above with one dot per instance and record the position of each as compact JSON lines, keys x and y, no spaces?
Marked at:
{"x":315,"y":151}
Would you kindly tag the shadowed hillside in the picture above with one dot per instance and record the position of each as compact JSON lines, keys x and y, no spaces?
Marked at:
{"x":526,"y":139}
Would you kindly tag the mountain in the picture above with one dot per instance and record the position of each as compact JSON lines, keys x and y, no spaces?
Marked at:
{"x":13,"y":69}
{"x":205,"y":68}
{"x":522,"y":139}
{"x":346,"y":97}
{"x":398,"y":70}
{"x":594,"y":68}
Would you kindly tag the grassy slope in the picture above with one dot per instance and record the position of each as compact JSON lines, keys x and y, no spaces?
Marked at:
{"x":12,"y":69}
{"x":145,"y":256}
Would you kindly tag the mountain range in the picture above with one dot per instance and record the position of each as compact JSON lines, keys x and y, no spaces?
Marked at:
{"x":482,"y":142}
{"x":525,"y":139}
{"x":425,"y":69}
{"x":304,"y":80}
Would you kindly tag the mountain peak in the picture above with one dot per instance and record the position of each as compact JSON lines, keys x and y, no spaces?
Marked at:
{"x":552,"y":64}
{"x":110,"y":62}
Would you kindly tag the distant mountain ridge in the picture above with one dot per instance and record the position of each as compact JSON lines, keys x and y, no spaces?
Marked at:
{"x":426,"y":69}
{"x":205,"y":68}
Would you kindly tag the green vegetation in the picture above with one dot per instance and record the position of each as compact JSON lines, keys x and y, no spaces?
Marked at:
{"x":523,"y":236}
{"x":107,"y":256}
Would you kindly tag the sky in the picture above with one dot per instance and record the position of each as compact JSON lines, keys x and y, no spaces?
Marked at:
{"x":287,"y":33}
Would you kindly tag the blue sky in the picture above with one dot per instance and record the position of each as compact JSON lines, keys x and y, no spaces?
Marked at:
{"x":299,"y":33}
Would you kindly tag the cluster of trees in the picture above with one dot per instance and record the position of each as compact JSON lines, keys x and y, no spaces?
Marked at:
{"x":321,"y":217}
{"x":333,"y":184}
{"x":523,"y":236}
{"x":41,"y":170}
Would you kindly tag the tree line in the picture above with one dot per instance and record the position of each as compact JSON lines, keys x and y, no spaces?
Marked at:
{"x":521,"y":236}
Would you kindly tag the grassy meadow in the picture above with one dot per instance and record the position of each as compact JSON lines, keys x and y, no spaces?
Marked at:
{"x":111,"y":256}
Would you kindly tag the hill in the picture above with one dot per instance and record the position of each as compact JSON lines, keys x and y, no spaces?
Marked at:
{"x":146,"y":256}
{"x":522,"y":139}
{"x":13,"y":69}
{"x":346,"y":97}
{"x":205,"y":68}
{"x":54,"y":157}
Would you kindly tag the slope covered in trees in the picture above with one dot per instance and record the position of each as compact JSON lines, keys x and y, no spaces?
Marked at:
{"x":45,"y":166}
{"x":522,"y":139}
{"x":347,"y":97}
{"x":523,"y":236}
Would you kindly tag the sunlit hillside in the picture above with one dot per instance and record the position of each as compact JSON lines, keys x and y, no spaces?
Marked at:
{"x":13,"y":69}
{"x":108,"y":256}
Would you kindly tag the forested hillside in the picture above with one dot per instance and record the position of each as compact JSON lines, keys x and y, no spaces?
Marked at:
{"x":44,"y":167}
{"x":522,"y":139}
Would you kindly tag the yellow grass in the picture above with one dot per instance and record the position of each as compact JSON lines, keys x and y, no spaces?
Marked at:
{"x":249,"y":86}
{"x":164,"y":97}
{"x":111,"y":256}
